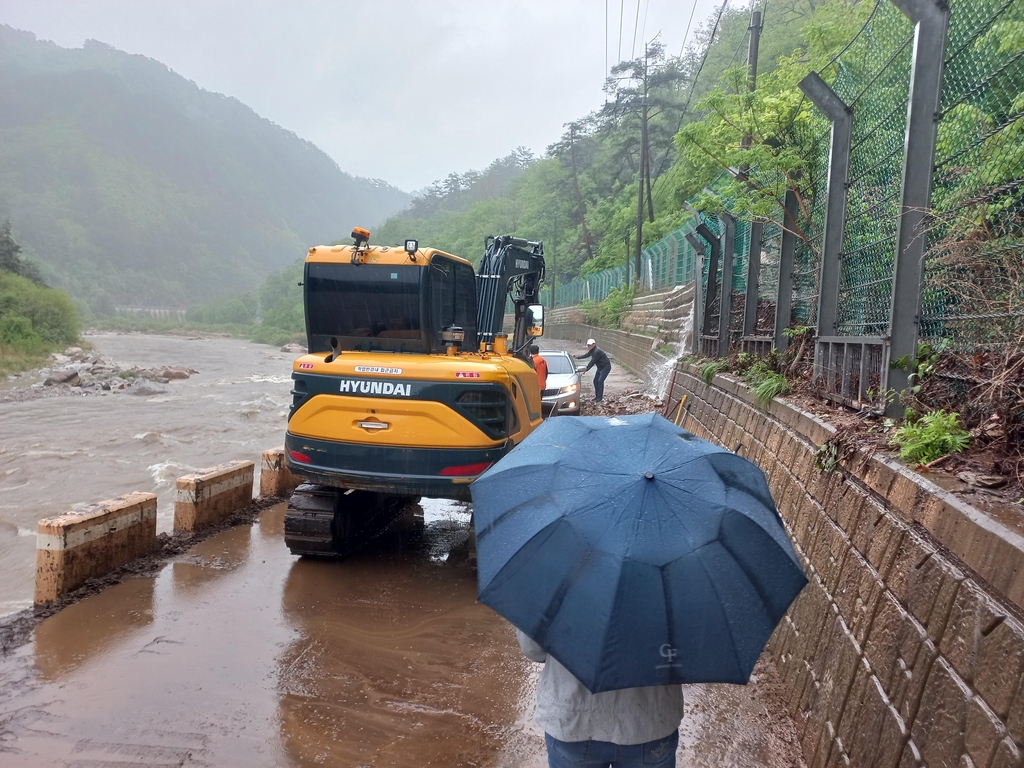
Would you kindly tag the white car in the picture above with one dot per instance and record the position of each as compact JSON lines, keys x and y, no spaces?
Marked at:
{"x":562,"y":394}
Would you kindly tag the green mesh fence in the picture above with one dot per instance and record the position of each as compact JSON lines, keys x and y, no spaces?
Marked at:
{"x":974,"y":271}
{"x":873,"y":77}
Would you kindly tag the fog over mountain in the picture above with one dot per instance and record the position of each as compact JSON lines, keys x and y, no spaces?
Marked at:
{"x":131,"y":185}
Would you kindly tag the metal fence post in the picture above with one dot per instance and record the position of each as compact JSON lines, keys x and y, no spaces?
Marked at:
{"x":698,"y":286}
{"x":709,"y":298}
{"x":728,"y":253}
{"x":931,"y":20}
{"x":825,"y":99}
{"x":753,"y":279}
{"x":784,"y":299}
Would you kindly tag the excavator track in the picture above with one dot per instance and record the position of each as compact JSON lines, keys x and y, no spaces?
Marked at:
{"x":323,"y":521}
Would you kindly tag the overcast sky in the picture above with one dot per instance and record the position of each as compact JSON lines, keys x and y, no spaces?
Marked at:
{"x":394,"y":89}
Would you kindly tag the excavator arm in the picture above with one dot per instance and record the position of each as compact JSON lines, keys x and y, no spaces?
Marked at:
{"x":511,"y":267}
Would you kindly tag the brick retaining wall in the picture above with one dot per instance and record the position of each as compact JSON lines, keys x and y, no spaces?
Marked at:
{"x":897,"y":654}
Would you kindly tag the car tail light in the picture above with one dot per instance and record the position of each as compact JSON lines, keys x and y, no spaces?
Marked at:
{"x":466,"y":470}
{"x":300,"y":457}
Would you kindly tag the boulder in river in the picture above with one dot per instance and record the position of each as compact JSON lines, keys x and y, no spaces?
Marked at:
{"x":145,"y":388}
{"x":63,"y":376}
{"x":72,"y":351}
{"x":293,"y":348}
{"x":174,"y":372}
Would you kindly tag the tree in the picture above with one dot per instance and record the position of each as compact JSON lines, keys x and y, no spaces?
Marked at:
{"x":11,"y":261}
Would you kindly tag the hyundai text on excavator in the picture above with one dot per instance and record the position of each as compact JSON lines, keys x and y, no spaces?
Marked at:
{"x":409,"y":387}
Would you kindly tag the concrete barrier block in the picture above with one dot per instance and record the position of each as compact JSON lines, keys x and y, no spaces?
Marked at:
{"x":275,"y":477}
{"x":91,"y":542}
{"x":207,"y":497}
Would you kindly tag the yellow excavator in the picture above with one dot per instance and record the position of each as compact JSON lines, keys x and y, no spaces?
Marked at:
{"x":410,"y":388}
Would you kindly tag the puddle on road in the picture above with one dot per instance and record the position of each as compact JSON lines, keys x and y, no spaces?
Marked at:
{"x":239,"y":654}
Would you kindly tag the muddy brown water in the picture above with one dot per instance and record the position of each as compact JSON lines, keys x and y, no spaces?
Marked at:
{"x":239,"y":654}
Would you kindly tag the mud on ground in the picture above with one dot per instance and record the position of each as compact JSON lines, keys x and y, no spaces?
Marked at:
{"x":16,"y":629}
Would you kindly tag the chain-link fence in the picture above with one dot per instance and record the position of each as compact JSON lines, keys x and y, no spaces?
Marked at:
{"x":974,"y":274}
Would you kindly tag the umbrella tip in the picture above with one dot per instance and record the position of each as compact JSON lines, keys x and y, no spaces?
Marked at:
{"x":649,"y":475}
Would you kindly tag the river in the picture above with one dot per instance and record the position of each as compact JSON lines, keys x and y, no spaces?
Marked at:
{"x":61,"y":451}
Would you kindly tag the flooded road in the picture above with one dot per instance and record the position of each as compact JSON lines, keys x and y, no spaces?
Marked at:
{"x":62,"y":451}
{"x":239,"y":654}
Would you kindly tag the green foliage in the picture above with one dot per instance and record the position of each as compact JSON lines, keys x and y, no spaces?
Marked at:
{"x":709,"y":370}
{"x":771,"y":130}
{"x":11,"y":261}
{"x":609,"y":312}
{"x":34,"y":320}
{"x":931,"y":437}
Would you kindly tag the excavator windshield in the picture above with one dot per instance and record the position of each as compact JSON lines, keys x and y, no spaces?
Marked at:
{"x":366,"y":307}
{"x":393,"y":308}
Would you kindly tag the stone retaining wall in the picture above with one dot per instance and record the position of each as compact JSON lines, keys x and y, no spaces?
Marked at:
{"x":91,"y":542}
{"x":897,"y":654}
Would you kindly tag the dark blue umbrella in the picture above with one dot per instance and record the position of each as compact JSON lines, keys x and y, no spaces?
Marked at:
{"x":634,"y":552}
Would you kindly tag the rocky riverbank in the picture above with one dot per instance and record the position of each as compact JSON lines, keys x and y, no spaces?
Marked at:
{"x":81,"y":372}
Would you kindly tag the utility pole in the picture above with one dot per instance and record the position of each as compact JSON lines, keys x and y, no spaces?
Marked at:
{"x":756,"y":227}
{"x":640,"y":175}
{"x":554,"y":253}
{"x":627,"y":256}
{"x":755,"y":39}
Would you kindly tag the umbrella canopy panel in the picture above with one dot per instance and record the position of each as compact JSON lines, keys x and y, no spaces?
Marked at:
{"x":634,"y":552}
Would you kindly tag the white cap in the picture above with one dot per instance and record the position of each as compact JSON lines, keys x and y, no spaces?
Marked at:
{"x":590,"y":341}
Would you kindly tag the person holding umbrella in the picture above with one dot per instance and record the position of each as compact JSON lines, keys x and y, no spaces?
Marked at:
{"x":632,"y":557}
{"x":599,"y":358}
{"x":624,"y":728}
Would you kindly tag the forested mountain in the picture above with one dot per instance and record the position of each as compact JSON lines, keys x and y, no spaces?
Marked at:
{"x":581,"y":197}
{"x":129,"y":184}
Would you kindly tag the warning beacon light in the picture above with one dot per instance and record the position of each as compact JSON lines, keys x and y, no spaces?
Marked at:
{"x":360,"y":236}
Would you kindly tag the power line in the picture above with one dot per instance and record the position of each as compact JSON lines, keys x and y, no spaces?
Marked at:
{"x":636,"y":23}
{"x":686,"y":34}
{"x":606,"y":41}
{"x":643,"y":29}
{"x":618,"y":56}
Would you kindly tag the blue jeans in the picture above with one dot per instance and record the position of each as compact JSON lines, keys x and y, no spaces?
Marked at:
{"x":660,"y":753}
{"x":599,"y":377}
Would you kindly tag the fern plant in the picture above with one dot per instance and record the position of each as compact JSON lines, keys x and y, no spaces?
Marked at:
{"x":931,"y":437}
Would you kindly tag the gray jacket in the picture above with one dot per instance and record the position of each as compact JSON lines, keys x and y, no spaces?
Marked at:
{"x":570,"y":712}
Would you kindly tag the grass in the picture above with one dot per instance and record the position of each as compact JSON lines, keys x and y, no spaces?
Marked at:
{"x":14,"y":360}
{"x":710,"y":370}
{"x":772,"y":385}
